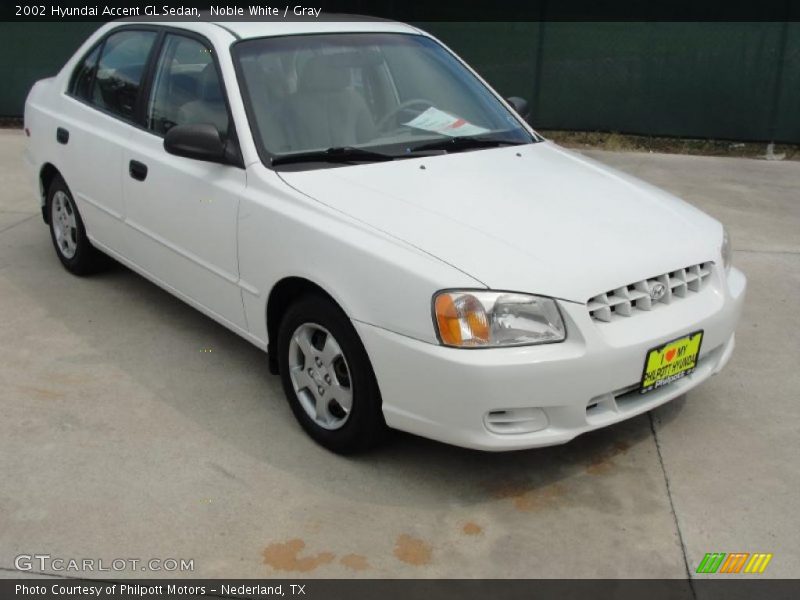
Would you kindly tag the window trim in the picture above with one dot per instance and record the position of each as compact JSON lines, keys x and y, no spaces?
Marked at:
{"x":139,"y":120}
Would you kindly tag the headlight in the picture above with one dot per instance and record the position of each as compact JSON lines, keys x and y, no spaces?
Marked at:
{"x":726,"y":251}
{"x":474,"y":319}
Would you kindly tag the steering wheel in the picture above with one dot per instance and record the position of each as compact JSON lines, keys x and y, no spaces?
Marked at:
{"x":400,"y":108}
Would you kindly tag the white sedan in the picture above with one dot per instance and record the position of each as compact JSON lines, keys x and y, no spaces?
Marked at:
{"x":358,"y":202}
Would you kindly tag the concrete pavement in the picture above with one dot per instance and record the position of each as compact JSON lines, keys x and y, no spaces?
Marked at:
{"x":133,"y":426}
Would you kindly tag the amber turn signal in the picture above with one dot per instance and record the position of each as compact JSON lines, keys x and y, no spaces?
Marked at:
{"x":461,"y":319}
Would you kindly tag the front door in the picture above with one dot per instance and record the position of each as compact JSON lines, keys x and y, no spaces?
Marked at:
{"x":181,"y":213}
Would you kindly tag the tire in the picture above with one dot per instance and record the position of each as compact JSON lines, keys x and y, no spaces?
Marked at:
{"x":343,"y":374}
{"x":68,"y":233}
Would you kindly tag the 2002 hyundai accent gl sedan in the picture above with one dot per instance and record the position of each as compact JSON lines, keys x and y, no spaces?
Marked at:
{"x":354,"y":199}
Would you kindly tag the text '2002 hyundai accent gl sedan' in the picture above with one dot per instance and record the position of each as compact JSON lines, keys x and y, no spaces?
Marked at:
{"x":354,"y":199}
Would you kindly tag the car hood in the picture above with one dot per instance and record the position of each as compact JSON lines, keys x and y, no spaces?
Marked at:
{"x":535,"y":218}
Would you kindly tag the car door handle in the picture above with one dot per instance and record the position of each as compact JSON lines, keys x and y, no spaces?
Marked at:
{"x":137,"y":170}
{"x":62,"y":135}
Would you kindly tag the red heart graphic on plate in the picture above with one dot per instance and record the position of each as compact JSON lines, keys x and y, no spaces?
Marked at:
{"x":670,"y":354}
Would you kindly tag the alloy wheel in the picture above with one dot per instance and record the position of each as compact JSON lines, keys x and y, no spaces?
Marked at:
{"x":320,"y":376}
{"x":65,"y":225}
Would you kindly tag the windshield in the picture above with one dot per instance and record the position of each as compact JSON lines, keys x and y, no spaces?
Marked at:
{"x":390,"y":94}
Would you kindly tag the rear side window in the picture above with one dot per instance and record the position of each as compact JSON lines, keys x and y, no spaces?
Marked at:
{"x":186,"y":88}
{"x":83,"y":77}
{"x":119,"y":72}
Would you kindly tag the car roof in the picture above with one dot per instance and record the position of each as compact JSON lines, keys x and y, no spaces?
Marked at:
{"x":331,"y":23}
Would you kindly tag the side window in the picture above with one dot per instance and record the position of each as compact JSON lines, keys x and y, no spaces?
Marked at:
{"x":82,"y":78}
{"x":186,"y":88}
{"x":120,"y":70}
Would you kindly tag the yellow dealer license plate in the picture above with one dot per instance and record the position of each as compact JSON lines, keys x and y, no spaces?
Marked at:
{"x":671,"y":361}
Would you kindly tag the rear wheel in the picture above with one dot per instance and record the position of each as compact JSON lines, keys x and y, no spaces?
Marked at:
{"x":327,"y":377}
{"x":72,"y":246}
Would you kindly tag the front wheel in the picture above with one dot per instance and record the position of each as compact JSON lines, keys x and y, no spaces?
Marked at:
{"x":327,"y":377}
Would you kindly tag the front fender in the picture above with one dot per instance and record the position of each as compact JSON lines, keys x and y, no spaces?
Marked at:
{"x":375,"y":278}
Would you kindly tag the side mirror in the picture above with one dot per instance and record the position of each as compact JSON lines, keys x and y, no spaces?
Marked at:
{"x":200,"y":142}
{"x":520,"y":105}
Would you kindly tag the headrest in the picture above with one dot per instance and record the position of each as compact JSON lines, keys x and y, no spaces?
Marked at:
{"x":323,"y":73}
{"x":210,"y":88}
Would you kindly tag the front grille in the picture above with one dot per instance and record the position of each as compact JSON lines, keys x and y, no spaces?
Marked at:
{"x":643,"y":295}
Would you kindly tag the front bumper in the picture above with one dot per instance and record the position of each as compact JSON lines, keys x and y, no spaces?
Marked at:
{"x":490,"y":399}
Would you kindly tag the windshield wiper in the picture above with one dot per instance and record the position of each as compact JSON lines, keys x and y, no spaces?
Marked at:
{"x":337,"y":154}
{"x":456,"y":144}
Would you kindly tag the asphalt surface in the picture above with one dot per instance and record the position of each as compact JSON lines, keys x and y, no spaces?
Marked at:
{"x":134,"y":427}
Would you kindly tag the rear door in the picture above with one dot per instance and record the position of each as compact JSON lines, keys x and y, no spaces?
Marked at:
{"x":98,"y":117}
{"x":182,"y":212}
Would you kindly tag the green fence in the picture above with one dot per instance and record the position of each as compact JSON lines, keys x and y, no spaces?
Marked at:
{"x":32,"y":51}
{"x":737,"y":81}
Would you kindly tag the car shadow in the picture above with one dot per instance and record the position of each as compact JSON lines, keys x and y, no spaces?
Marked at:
{"x":231,"y":395}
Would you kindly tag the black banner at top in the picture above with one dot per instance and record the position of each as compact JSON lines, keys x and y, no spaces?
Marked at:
{"x":406,"y":10}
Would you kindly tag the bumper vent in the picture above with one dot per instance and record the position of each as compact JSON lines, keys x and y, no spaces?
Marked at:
{"x":515,"y":420}
{"x":648,"y":293}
